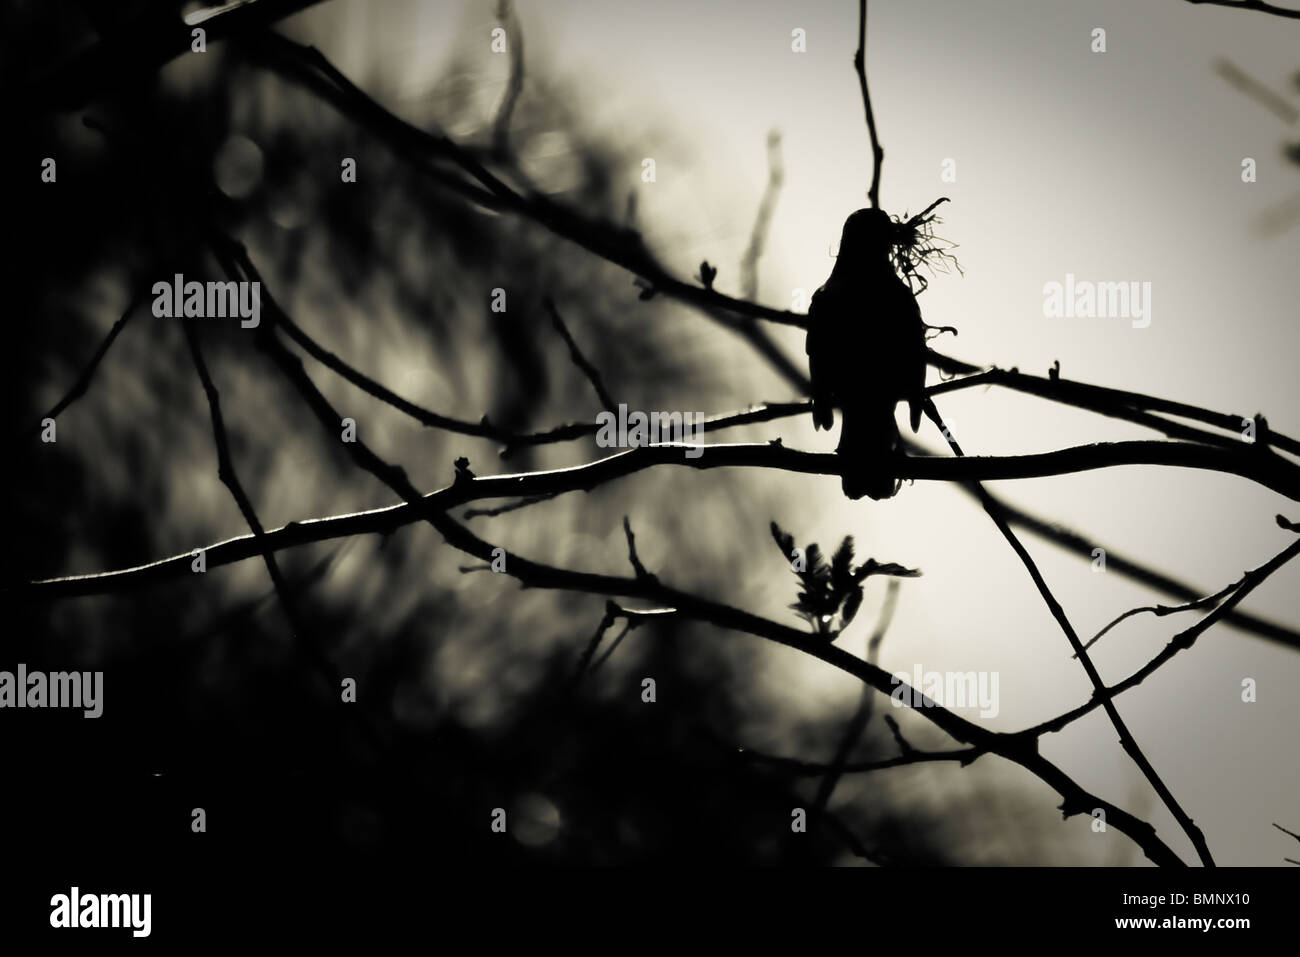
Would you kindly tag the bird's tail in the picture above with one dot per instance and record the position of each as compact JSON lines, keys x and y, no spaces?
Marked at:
{"x":868,"y":439}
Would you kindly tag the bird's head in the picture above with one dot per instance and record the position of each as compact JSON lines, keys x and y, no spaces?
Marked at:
{"x":872,"y":237}
{"x":869,"y":236}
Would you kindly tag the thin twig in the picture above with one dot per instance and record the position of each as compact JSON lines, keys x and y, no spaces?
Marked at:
{"x":857,"y":724}
{"x":613,"y":646}
{"x":426,"y":417}
{"x":632,"y":618}
{"x":83,"y":380}
{"x":226,"y":472}
{"x":1161,"y":611}
{"x":509,"y":19}
{"x":964,"y":756}
{"x":513,"y":441}
{"x":606,"y":622}
{"x":1289,"y":860}
{"x":766,"y":412}
{"x":860,"y":64}
{"x":230,"y":478}
{"x":579,"y":360}
{"x":1257,"y":91}
{"x":631,"y":551}
{"x":762,"y":221}
{"x":503,"y":509}
{"x":903,"y":745}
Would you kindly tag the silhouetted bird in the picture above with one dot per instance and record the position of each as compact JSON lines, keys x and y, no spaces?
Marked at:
{"x":866,"y":351}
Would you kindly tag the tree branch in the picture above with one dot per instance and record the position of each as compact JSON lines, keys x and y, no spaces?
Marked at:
{"x":589,"y":476}
{"x":1122,"y":404}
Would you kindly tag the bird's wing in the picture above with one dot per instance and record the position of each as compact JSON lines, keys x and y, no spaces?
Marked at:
{"x":916,"y":362}
{"x":817,"y":348}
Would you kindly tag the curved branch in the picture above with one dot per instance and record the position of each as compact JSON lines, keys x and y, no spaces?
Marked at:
{"x":589,"y":476}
